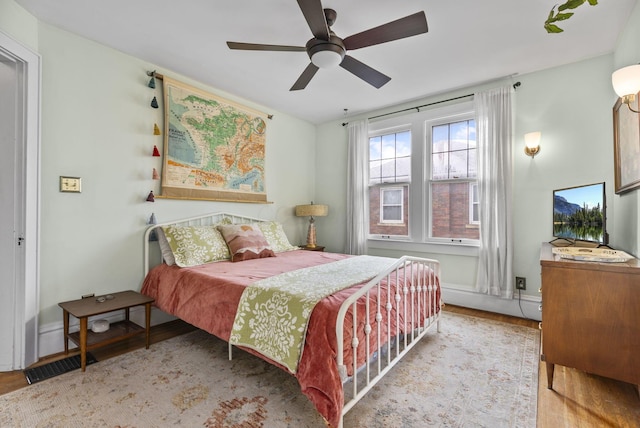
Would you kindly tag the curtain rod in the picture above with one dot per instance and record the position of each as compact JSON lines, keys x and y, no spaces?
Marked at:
{"x":515,"y":86}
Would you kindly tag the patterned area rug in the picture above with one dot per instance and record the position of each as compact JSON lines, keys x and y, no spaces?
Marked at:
{"x":475,"y":373}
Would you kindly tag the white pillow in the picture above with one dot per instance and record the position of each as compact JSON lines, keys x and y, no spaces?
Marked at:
{"x":165,"y":249}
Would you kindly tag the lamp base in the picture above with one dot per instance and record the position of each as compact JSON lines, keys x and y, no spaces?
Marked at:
{"x":311,"y":235}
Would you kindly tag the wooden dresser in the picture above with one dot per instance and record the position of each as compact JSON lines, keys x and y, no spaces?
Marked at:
{"x":591,"y":316}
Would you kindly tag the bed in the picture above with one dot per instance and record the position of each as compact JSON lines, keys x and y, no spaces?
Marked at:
{"x":376,"y":311}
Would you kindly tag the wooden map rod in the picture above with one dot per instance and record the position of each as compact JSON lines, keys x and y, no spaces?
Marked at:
{"x":161,"y":77}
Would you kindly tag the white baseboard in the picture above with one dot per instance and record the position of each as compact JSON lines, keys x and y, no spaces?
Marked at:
{"x":525,"y":307}
{"x":51,"y":339}
{"x":51,"y":336}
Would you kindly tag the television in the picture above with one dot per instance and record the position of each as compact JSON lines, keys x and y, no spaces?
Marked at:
{"x":579,"y":214}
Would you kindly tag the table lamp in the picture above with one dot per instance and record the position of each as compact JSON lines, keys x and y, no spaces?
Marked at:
{"x":312,"y":210}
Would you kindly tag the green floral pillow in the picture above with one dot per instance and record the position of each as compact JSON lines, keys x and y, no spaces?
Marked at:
{"x":275,"y":236}
{"x":196,"y":245}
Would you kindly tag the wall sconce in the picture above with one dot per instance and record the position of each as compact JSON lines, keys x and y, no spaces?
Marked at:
{"x":532,"y":143}
{"x":311,"y":211}
{"x":626,"y":83}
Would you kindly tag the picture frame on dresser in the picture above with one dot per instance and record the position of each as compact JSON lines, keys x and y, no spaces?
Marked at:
{"x":626,"y":140}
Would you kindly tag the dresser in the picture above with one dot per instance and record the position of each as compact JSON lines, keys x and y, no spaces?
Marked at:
{"x":591,"y":316}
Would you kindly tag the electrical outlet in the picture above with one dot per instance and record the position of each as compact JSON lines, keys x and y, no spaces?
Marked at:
{"x":521,"y":283}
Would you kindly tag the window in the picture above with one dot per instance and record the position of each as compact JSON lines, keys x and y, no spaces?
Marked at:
{"x":454,"y":170}
{"x":423,"y":177}
{"x":391,"y":205}
{"x":389,"y":166}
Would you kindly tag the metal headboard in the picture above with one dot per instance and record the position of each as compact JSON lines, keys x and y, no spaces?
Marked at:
{"x":201,"y":220}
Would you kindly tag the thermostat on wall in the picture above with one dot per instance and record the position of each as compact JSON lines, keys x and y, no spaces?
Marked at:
{"x":70,"y":184}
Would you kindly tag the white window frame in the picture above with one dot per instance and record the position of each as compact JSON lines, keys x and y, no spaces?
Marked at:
{"x":419,"y":123}
{"x":398,"y":127}
{"x":429,"y":124}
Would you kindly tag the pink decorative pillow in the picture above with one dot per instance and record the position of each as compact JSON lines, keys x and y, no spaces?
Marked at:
{"x":245,"y":242}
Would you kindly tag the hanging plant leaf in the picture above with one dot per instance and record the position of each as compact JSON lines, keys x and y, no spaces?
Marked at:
{"x":563,"y":16}
{"x":552,"y":28}
{"x":571,"y":4}
{"x":558,"y":16}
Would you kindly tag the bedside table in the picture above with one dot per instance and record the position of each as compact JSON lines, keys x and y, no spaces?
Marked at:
{"x":316,"y":248}
{"x":96,"y":305}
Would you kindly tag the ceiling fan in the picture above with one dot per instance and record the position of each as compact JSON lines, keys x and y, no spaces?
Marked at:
{"x":326,"y":49}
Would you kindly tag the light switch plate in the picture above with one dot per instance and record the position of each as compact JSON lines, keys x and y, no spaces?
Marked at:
{"x":70,"y":184}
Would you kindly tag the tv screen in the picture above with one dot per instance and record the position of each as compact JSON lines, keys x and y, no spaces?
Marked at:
{"x":579,"y":213}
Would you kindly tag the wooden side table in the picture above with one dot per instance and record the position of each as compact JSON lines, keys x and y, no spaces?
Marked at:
{"x":316,"y":248}
{"x":91,"y":306}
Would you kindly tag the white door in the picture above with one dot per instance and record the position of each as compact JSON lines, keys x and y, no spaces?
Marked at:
{"x":19,"y":201}
{"x":8,"y":243}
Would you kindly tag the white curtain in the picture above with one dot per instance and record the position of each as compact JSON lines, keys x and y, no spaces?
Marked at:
{"x":494,"y":137}
{"x":357,"y":188}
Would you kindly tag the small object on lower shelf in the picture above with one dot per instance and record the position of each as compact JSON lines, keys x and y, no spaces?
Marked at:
{"x":100,"y":326}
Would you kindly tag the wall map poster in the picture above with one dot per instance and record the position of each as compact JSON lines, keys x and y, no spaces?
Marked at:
{"x":213,"y":148}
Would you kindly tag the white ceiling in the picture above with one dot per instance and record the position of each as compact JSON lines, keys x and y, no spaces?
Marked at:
{"x":469,"y":42}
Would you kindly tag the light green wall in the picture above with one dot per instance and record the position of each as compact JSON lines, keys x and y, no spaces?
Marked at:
{"x":19,"y":24}
{"x":97,"y":124}
{"x":628,"y":53}
{"x":572,"y":106}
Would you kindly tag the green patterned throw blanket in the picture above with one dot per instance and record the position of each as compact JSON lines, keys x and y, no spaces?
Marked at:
{"x":273,"y":313}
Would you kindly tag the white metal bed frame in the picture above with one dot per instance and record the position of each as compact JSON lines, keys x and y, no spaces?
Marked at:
{"x":419,"y":298}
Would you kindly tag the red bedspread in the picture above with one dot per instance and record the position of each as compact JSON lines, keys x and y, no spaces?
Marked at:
{"x":207,"y":297}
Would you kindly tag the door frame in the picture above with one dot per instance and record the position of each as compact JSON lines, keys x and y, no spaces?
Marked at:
{"x":27,"y":210}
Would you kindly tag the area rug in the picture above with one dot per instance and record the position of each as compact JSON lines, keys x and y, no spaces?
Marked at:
{"x":474,"y":373}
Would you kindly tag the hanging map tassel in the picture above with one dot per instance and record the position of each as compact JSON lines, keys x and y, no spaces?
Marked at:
{"x":156,"y":129}
{"x":151,"y":198}
{"x":153,"y":236}
{"x":152,"y":83}
{"x":156,"y":152}
{"x":154,"y":102}
{"x":155,"y":174}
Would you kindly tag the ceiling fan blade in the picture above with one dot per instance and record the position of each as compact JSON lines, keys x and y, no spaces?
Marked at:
{"x":314,"y":14}
{"x":305,"y":77}
{"x":399,"y":29}
{"x":363,"y":71}
{"x":260,"y":47}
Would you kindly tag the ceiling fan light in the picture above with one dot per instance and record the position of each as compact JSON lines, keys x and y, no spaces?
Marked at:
{"x":326,"y":59}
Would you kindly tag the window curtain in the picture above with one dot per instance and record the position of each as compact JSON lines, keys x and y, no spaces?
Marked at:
{"x":494,"y":138}
{"x":357,"y":187}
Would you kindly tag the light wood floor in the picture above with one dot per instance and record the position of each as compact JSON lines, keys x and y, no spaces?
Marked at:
{"x":577,"y":400}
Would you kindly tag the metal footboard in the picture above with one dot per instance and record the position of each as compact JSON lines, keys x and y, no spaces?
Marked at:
{"x":395,"y":318}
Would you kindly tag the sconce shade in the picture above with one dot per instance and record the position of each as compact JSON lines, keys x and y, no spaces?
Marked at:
{"x":532,"y":143}
{"x":626,"y":81}
{"x":312,"y":210}
{"x":532,"y":139}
